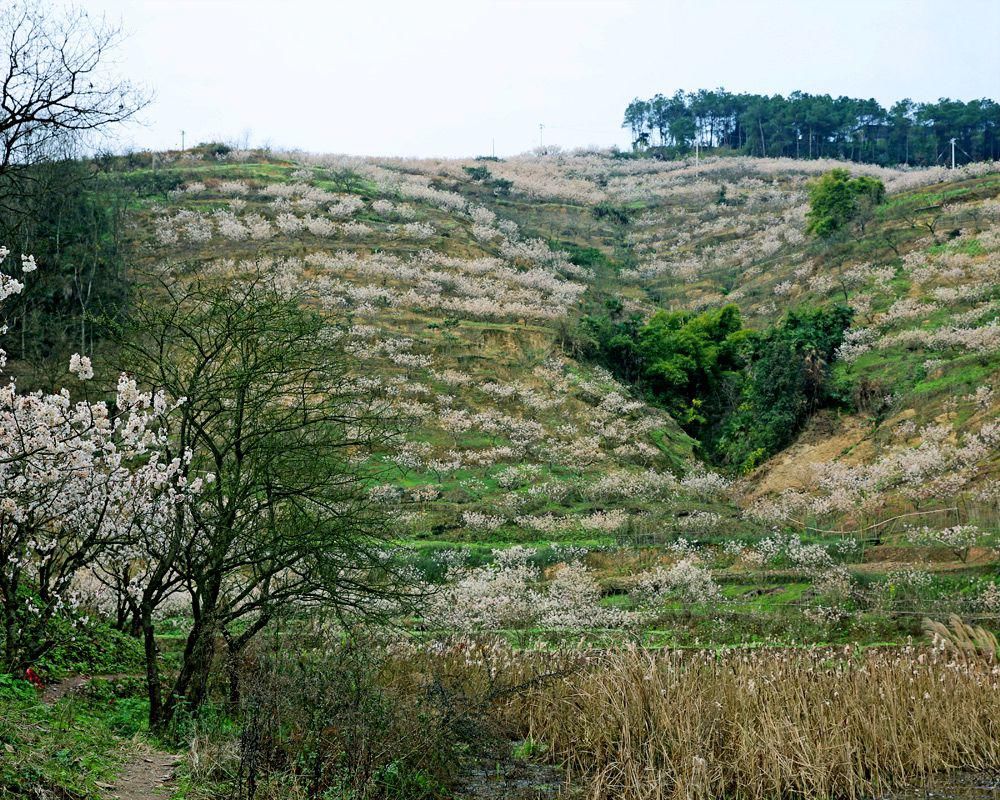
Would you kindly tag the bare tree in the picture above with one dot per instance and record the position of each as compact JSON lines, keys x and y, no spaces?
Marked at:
{"x":275,"y":410}
{"x":928,"y":218}
{"x":56,"y":85}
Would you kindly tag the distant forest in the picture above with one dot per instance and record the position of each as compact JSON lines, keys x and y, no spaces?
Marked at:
{"x":815,"y":126}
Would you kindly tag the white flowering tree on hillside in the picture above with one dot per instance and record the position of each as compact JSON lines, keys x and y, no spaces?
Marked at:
{"x":75,"y":478}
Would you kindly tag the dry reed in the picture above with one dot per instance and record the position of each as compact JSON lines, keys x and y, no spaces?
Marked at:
{"x":641,"y":725}
{"x":963,"y":640}
{"x":634,"y":724}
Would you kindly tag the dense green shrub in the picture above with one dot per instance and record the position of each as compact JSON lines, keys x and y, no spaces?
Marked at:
{"x":837,"y":198}
{"x":84,"y":645}
{"x":786,"y":380}
{"x":680,"y":358}
{"x":94,"y":649}
{"x":588,"y":257}
{"x":478,"y":173}
{"x":617,"y":214}
{"x":686,"y":357}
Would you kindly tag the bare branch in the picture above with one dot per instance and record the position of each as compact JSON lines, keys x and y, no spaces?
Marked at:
{"x":55,"y":83}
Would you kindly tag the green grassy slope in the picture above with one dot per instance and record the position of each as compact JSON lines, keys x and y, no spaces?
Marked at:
{"x":457,"y":290}
{"x":509,"y":439}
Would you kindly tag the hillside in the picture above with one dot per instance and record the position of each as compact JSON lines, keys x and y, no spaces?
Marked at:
{"x":657,"y":470}
{"x":455,"y":312}
{"x":458,"y":285}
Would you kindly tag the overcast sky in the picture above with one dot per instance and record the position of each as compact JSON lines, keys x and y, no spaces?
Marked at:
{"x":429,"y":77}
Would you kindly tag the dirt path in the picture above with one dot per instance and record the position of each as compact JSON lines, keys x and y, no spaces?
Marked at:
{"x":146,"y":773}
{"x":56,"y":691}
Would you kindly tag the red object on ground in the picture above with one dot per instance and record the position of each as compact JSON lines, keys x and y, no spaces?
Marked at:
{"x":32,"y":677}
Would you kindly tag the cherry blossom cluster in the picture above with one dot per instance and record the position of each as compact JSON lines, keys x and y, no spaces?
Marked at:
{"x":960,"y":539}
{"x":509,"y":593}
{"x":941,"y":464}
{"x":82,"y":484}
{"x":623,"y":484}
{"x":951,"y":281}
{"x":686,"y":580}
{"x":599,"y":522}
{"x":478,"y":288}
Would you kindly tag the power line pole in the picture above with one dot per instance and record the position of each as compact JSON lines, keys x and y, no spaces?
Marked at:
{"x":541,"y":127}
{"x":182,"y":141}
{"x":953,"y":153}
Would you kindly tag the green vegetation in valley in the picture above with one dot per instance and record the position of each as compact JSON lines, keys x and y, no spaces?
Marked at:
{"x":742,"y":393}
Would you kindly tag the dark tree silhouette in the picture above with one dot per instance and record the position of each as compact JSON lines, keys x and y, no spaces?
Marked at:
{"x":56,"y":86}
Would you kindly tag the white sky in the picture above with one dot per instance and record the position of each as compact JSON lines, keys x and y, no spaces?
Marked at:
{"x":442,"y":77}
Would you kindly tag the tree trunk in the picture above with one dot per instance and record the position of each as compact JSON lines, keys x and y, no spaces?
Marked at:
{"x":153,"y":689}
{"x":9,"y":638}
{"x":191,"y":686}
{"x":232,"y":669}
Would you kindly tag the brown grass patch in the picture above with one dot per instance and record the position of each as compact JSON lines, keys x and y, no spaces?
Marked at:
{"x":637,"y":725}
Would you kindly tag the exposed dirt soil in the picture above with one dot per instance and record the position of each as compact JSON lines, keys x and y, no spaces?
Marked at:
{"x":827,"y":437}
{"x":73,"y":684}
{"x":147,"y":775}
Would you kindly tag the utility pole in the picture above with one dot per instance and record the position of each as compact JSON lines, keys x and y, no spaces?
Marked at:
{"x":182,"y":141}
{"x":952,"y":153}
{"x":696,"y":153}
{"x":541,"y":127}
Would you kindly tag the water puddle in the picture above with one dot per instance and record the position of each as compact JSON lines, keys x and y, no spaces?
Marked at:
{"x":955,"y":786}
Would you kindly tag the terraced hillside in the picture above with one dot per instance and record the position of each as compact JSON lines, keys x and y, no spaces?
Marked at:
{"x":460,"y":287}
{"x":456,"y":313}
{"x":459,"y":283}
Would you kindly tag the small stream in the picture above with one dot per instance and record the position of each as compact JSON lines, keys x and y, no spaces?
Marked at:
{"x":521,"y":780}
{"x":955,"y":786}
